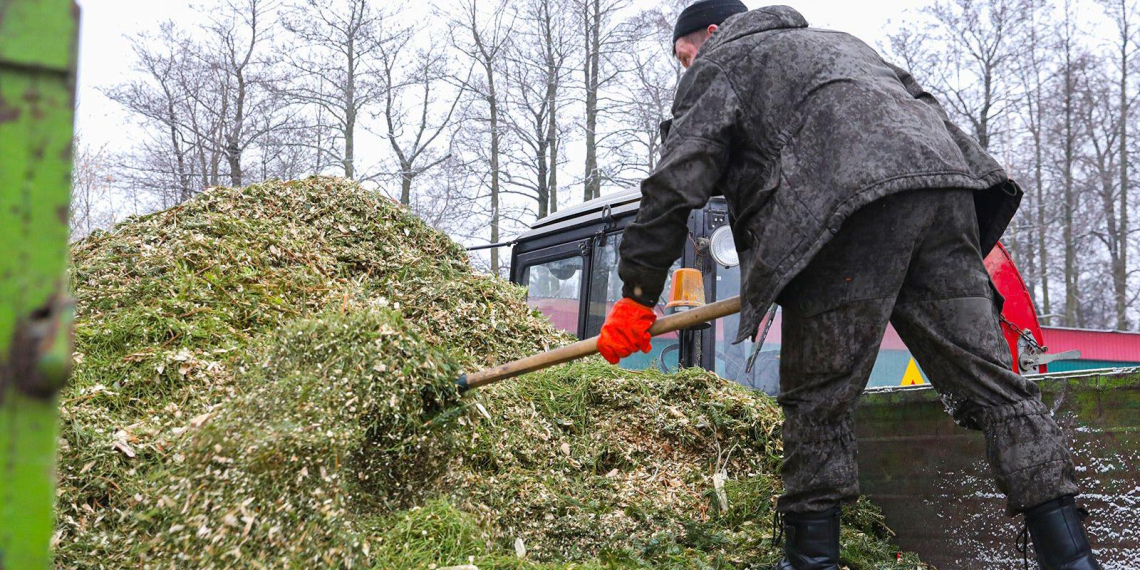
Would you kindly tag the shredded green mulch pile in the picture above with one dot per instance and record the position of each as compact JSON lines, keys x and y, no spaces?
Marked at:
{"x":265,"y":378}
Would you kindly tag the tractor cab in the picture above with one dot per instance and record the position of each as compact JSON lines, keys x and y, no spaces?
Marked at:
{"x":568,"y":263}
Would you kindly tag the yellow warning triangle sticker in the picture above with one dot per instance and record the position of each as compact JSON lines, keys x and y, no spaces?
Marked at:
{"x":912,"y":377}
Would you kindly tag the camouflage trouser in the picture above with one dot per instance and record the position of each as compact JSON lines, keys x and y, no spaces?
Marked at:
{"x":912,"y":259}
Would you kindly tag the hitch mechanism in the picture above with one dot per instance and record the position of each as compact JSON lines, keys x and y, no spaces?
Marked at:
{"x":1033,"y":361}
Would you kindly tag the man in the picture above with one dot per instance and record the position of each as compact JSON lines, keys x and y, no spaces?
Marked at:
{"x":854,"y":202}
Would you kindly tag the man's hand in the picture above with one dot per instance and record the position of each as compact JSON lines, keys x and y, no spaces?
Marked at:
{"x":626,"y":330}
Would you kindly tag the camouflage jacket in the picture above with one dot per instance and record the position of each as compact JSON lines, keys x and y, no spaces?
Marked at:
{"x":797,"y":127}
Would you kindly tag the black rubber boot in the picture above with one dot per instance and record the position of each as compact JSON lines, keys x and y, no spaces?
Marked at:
{"x":811,"y":541}
{"x":1059,"y":536}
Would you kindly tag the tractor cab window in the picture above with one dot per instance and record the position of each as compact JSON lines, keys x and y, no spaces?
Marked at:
{"x":732,"y":359}
{"x":605,"y":290}
{"x":554,"y":288}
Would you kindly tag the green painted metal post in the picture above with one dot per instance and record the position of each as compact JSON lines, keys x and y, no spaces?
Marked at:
{"x":37,"y":95}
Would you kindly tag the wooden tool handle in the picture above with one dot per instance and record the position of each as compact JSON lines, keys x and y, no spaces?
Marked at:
{"x":584,"y":348}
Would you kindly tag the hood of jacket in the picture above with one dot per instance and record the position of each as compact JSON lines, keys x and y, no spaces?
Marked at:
{"x":756,"y":21}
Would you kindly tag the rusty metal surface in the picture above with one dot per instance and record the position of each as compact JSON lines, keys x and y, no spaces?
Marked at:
{"x":932,"y":481}
{"x":39,"y":360}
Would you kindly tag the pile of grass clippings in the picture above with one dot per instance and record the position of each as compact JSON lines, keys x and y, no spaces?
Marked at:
{"x":265,"y":378}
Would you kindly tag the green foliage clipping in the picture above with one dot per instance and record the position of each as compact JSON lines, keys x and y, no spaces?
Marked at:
{"x":265,"y":378}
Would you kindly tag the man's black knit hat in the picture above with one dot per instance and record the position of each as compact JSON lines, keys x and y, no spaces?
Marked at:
{"x":705,"y":13}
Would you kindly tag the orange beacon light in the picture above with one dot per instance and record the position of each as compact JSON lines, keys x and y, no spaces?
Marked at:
{"x":687,"y":291}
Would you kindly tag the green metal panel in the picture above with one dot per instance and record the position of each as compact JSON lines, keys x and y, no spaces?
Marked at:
{"x":37,"y":95}
{"x":932,"y":481}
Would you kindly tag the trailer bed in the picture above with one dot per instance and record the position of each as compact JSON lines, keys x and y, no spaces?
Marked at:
{"x":931,"y":479}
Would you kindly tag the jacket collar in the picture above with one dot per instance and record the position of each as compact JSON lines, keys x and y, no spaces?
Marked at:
{"x":755,"y":21}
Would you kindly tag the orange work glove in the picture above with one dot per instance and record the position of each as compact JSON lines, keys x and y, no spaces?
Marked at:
{"x":626,"y":330}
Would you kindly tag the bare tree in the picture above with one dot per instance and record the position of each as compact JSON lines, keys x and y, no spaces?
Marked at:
{"x":414,"y":121}
{"x":602,"y":38}
{"x":1123,"y":14}
{"x":1066,"y":140}
{"x":1033,"y":69}
{"x":92,"y":186}
{"x":204,"y":116}
{"x":482,"y":37}
{"x":644,"y":96}
{"x":158,"y":100}
{"x":557,"y":50}
{"x":337,"y":67}
{"x":288,"y":151}
{"x":1098,"y":121}
{"x":975,"y":45}
{"x":240,"y":37}
{"x":205,"y":104}
{"x":452,"y":188}
{"x":536,"y":70}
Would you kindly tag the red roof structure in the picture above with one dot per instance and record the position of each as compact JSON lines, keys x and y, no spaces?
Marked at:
{"x":1113,"y":346}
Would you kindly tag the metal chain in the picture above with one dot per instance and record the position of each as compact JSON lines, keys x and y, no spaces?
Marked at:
{"x":1027,"y":347}
{"x":1024,"y":334}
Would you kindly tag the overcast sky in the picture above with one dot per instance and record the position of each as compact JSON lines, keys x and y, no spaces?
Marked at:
{"x":105,"y":56}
